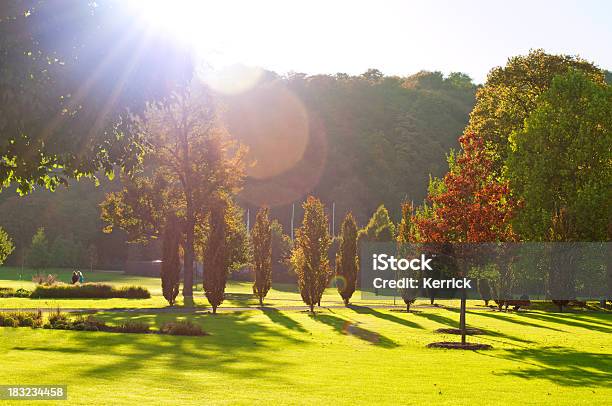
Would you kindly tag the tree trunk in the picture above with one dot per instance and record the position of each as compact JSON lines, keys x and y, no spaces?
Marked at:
{"x":462,"y":317}
{"x":260,"y":301}
{"x":214,"y":309}
{"x":312,"y":308}
{"x":188,"y":265}
{"x":407,"y":307}
{"x":346,"y":301}
{"x":486,"y":303}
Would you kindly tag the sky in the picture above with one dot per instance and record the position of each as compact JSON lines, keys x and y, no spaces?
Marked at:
{"x":396,"y":37}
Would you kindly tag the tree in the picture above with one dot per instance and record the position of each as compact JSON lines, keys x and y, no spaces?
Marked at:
{"x":6,"y":245}
{"x":511,"y":93}
{"x":468,"y":204}
{"x":380,"y":227}
{"x":189,"y":160}
{"x":485,"y":290}
{"x":171,"y":263}
{"x":405,"y":236}
{"x":64,"y":252}
{"x":216,"y":257}
{"x":346,"y":259}
{"x":262,"y":254}
{"x":310,"y":253}
{"x":38,"y":254}
{"x":70,"y":73}
{"x":561,"y":160}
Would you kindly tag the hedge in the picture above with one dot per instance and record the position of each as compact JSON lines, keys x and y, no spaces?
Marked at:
{"x":89,"y":291}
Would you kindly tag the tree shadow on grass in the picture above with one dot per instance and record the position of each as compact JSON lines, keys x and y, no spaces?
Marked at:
{"x":242,"y":299}
{"x":347,"y":327}
{"x":237,"y":345}
{"x":384,"y":316}
{"x":282,"y":319}
{"x":562,"y":366}
{"x":559,"y":319}
{"x":447,"y":321}
{"x":504,"y":317}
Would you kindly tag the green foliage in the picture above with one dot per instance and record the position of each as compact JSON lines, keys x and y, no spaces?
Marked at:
{"x":511,"y":93}
{"x":346,"y":259}
{"x":484,"y":289}
{"x":72,"y":212}
{"x":309,"y":257}
{"x":561,"y":159}
{"x":171,"y":264}
{"x":367,"y":133}
{"x":379,"y":228}
{"x":65,"y":93}
{"x":66,"y":253}
{"x":6,"y":245}
{"x":38,"y":254}
{"x":281,"y":253}
{"x":190,"y":161}
{"x":216,"y":258}
{"x":21,"y":319}
{"x":237,"y":238}
{"x":89,"y":291}
{"x":261,"y":236}
{"x":182,"y":328}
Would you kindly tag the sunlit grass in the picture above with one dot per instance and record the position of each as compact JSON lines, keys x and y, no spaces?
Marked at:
{"x":340,"y":356}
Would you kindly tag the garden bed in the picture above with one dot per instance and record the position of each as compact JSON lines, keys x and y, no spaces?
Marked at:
{"x":61,"y":321}
{"x":453,"y":345}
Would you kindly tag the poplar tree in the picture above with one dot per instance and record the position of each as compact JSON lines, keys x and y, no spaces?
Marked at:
{"x":404,"y":237}
{"x":309,"y":257}
{"x":346,"y":259}
{"x":216,"y":257}
{"x":170,"y":268}
{"x":262,"y":254}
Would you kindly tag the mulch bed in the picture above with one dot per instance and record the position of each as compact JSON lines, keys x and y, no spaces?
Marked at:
{"x":469,"y":331}
{"x":458,"y":346}
{"x":404,"y":311}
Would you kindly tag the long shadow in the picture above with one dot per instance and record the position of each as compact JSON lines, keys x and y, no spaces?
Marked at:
{"x":455,"y":324}
{"x":237,"y":345}
{"x":346,"y":327}
{"x":502,"y":317}
{"x":243,"y":299}
{"x":384,"y":316}
{"x":561,"y":366}
{"x":282,"y":319}
{"x":565,"y":321}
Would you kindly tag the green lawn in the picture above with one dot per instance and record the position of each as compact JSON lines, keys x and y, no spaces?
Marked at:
{"x":341,"y":356}
{"x":238,"y":294}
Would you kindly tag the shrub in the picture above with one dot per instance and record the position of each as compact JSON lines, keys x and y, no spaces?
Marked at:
{"x":7,"y":292}
{"x":133,"y":327}
{"x":22,"y":293}
{"x":133,"y":292}
{"x":8,"y":321}
{"x":10,"y":292}
{"x":181,"y":328}
{"x":46,"y":280}
{"x":21,"y":319}
{"x":58,"y":321}
{"x":90,"y":291}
